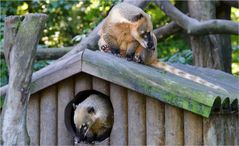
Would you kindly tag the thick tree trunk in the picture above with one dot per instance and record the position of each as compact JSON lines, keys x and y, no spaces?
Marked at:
{"x":20,"y":51}
{"x":207,"y":49}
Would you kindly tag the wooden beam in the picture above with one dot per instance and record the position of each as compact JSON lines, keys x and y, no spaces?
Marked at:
{"x":153,"y":82}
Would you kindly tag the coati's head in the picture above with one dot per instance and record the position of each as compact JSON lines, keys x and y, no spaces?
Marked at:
{"x":93,"y":119}
{"x":84,"y":118}
{"x":142,"y":30}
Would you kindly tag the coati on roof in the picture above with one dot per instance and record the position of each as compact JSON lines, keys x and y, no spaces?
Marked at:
{"x":128,"y":31}
{"x":125,"y":28}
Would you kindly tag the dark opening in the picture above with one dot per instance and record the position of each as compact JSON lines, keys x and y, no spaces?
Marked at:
{"x":69,"y":112}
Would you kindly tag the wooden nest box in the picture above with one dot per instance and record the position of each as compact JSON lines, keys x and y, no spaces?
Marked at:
{"x":151,"y":106}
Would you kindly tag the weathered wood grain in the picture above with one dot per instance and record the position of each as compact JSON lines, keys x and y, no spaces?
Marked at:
{"x":174,"y":133}
{"x":155,"y":122}
{"x":82,"y":82}
{"x":119,"y":133}
{"x":230,"y":129}
{"x":21,"y":37}
{"x":33,"y":119}
{"x":153,"y":82}
{"x":48,"y":116}
{"x":212,"y":134}
{"x":103,"y":87}
{"x":193,"y":129}
{"x":53,"y":73}
{"x":136,"y":118}
{"x":65,"y":95}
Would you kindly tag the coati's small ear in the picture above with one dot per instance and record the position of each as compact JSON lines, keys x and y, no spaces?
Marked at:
{"x":90,"y":109}
{"x":74,"y":106}
{"x":137,"y":17}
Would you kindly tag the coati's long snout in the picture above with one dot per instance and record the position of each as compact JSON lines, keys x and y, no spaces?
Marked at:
{"x":150,"y":41}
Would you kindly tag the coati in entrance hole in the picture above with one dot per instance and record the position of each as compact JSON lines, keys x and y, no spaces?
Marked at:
{"x":93,"y":119}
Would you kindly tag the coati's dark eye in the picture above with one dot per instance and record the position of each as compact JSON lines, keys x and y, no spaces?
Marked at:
{"x":91,"y":110}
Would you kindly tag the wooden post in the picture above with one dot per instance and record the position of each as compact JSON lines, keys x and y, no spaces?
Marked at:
{"x":33,"y":119}
{"x":193,"y":129}
{"x":48,"y":117}
{"x":173,"y":125}
{"x":65,"y":94}
{"x":20,"y":40}
{"x":119,"y":133}
{"x":103,"y":87}
{"x":155,"y":122}
{"x":136,"y":119}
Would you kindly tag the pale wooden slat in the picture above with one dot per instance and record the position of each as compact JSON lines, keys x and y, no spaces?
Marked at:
{"x":213,"y":130}
{"x":33,"y":119}
{"x":155,"y":122}
{"x":236,"y":120}
{"x":136,"y":118}
{"x":65,"y":95}
{"x":82,"y":82}
{"x":173,"y":125}
{"x":103,"y":87}
{"x":193,"y":129}
{"x":230,"y":128}
{"x":119,"y":133}
{"x":48,"y":117}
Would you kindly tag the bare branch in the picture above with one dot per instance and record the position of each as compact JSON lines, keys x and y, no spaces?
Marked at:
{"x":231,"y":3}
{"x":195,"y":27}
{"x":167,"y":30}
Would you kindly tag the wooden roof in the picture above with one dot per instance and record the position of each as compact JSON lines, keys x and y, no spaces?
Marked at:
{"x":156,"y":83}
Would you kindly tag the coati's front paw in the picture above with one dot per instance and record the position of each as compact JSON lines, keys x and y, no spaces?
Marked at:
{"x":105,"y":48}
{"x":137,"y":59}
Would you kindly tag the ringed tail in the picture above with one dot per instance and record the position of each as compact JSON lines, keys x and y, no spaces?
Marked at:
{"x":186,"y":75}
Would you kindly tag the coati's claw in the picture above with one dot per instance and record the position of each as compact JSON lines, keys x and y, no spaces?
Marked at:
{"x":137,"y":59}
{"x":105,"y":48}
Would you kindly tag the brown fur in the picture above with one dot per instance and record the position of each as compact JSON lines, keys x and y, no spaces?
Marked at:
{"x":98,"y":121}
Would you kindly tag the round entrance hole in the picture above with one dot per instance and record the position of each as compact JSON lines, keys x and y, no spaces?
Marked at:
{"x":94,"y":117}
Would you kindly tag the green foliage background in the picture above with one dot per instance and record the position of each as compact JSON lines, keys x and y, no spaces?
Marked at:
{"x":70,"y":21}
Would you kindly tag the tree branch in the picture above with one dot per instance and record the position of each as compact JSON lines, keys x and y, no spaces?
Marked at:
{"x":167,"y":30}
{"x":231,"y":3}
{"x":195,"y":27}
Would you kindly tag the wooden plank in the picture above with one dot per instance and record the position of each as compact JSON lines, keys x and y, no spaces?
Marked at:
{"x":213,"y":130}
{"x":119,"y":133}
{"x":83,"y":82}
{"x":136,"y":118}
{"x":155,"y":122}
{"x":48,"y":117}
{"x":153,"y":82}
{"x":103,"y":87}
{"x":65,"y":95}
{"x":237,"y":129}
{"x":230,"y":129}
{"x":173,"y":125}
{"x":33,"y":119}
{"x":193,"y":129}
